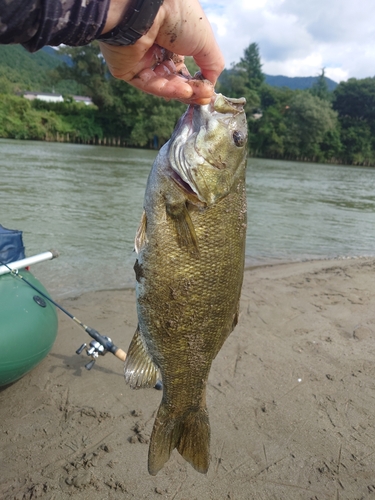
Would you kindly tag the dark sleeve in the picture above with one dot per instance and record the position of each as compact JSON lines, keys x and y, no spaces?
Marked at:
{"x":36,"y":23}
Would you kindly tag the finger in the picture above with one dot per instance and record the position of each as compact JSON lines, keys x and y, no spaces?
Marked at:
{"x":194,"y":37}
{"x":162,"y":83}
{"x":124,"y":62}
{"x":172,"y":87}
{"x":210,"y":61}
{"x":174,"y":66}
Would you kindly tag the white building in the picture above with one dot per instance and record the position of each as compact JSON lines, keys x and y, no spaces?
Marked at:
{"x":52,"y":97}
{"x":82,"y":98}
{"x":43,"y":96}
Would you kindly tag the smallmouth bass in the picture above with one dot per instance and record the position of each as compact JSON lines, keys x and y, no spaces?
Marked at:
{"x":189,"y":272}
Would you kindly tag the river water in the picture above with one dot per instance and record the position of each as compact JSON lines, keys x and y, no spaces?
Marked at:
{"x":86,"y":202}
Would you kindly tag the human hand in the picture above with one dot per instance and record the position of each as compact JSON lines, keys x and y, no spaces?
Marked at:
{"x":182,"y":28}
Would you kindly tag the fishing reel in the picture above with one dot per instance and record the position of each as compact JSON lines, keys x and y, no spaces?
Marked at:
{"x":94,"y":350}
{"x":99,"y":346}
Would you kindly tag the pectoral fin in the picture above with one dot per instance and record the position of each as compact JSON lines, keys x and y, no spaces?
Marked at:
{"x":185,"y":231}
{"x":140,"y":371}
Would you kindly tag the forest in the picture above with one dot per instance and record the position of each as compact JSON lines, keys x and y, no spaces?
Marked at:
{"x":315,"y":124}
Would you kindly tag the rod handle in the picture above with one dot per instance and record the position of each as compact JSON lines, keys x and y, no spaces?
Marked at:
{"x":120,"y":354}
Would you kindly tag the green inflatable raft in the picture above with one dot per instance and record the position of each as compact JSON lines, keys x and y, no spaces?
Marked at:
{"x":28,"y":326}
{"x":28,"y":321}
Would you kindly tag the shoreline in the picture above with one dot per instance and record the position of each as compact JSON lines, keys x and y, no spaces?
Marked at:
{"x":273,"y":263}
{"x":247,"y":268}
{"x":290,"y":399}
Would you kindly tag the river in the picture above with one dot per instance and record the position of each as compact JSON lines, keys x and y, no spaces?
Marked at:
{"x":86,"y":202}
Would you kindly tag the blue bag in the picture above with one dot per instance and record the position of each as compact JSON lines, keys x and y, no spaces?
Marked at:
{"x":11,"y":245}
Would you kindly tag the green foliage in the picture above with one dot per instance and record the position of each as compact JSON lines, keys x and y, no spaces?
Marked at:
{"x":160,"y":122}
{"x":295,"y":124}
{"x":267,"y":135}
{"x":358,"y":142}
{"x":76,"y":119}
{"x":20,"y":71}
{"x":354,"y":101}
{"x":331,"y":146}
{"x":19,"y":120}
{"x":27,"y":71}
{"x":274,"y":96}
{"x":308,"y":120}
{"x":89,"y":70}
{"x":6,"y":86}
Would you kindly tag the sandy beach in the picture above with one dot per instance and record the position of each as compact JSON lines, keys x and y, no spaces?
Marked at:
{"x":291,"y":399}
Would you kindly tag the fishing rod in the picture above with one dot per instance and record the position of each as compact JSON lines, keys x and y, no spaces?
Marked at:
{"x":99,"y":346}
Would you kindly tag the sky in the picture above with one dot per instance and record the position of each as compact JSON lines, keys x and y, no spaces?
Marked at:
{"x":298,"y":37}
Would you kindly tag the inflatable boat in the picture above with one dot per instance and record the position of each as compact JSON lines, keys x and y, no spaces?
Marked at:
{"x":28,"y":321}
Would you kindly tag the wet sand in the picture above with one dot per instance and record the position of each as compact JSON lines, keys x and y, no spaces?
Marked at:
{"x":291,"y":398}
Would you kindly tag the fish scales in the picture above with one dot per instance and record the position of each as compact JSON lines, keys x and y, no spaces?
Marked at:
{"x":199,"y":296}
{"x":189,"y":272}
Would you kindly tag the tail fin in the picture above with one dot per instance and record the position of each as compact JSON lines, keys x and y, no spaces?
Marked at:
{"x":189,"y":433}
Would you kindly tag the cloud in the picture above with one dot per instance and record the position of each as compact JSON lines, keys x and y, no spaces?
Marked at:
{"x":298,"y":38}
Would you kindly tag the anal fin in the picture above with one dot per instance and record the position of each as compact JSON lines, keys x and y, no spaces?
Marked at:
{"x":140,"y":371}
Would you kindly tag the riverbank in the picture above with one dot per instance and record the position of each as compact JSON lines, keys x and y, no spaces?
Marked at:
{"x":291,"y":398}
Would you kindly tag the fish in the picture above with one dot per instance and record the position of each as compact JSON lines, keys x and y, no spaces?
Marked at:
{"x":189,"y":270}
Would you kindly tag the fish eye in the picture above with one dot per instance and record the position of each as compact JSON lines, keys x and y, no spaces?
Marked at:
{"x":238,"y":138}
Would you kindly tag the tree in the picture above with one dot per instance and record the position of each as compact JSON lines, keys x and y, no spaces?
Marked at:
{"x":354,"y":101}
{"x":244,"y":79}
{"x":250,"y":63}
{"x":155,"y":121}
{"x":234,"y":83}
{"x":308,"y":120}
{"x":357,"y":143}
{"x":320,"y":88}
{"x":275,"y":96}
{"x":268,"y":134}
{"x":6,"y":87}
{"x":89,"y":69}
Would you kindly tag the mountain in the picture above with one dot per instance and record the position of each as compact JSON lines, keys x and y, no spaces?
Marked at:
{"x":56,"y":56}
{"x":15,"y":56}
{"x":31,"y":71}
{"x":297,"y":82}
